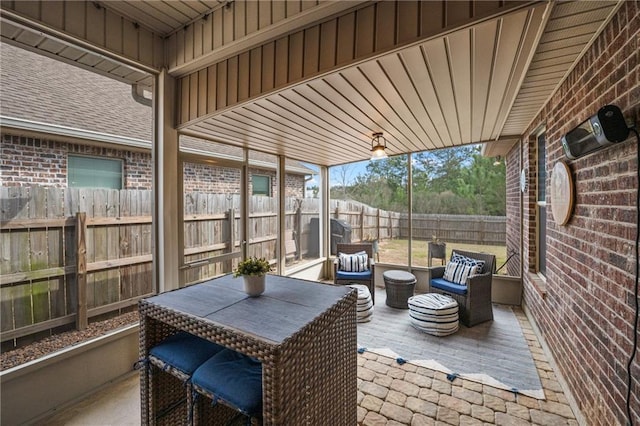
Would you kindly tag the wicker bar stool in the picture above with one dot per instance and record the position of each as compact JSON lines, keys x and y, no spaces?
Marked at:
{"x":235,"y":381}
{"x":179,"y":355}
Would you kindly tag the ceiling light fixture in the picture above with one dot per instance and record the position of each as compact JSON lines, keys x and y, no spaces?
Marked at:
{"x":378,"y":146}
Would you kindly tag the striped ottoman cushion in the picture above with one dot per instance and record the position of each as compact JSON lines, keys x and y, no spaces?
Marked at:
{"x":365,"y":304}
{"x":434,"y":314}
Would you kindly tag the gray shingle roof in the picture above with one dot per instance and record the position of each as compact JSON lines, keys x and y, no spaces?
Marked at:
{"x":41,"y":89}
{"x":38,"y":88}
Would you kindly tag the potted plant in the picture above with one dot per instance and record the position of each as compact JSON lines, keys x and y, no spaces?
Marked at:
{"x":253,"y":271}
{"x":437,"y":249}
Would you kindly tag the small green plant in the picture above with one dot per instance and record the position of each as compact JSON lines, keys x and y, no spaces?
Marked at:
{"x":252,"y":266}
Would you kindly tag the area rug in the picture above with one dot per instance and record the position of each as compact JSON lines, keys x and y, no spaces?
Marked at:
{"x":493,"y":353}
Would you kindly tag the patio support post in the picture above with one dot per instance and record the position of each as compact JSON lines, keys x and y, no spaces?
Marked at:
{"x":325,"y":249}
{"x":165,"y":168}
{"x":410,"y":213}
{"x":280,"y":245}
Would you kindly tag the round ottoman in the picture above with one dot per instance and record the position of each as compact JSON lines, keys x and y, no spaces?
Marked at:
{"x":399,"y":286}
{"x":364,"y":308}
{"x":434,"y":314}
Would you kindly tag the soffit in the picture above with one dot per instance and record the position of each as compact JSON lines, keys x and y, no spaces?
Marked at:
{"x":484,"y":83}
{"x":36,"y":41}
{"x":164,"y":17}
{"x":478,"y":84}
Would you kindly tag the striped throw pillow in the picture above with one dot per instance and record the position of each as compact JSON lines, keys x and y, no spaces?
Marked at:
{"x":461,"y":267}
{"x":357,"y":262}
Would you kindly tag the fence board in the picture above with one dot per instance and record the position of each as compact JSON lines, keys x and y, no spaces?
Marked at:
{"x":38,"y":251}
{"x":98,"y":281}
{"x":55,"y":243}
{"x":6,"y":309}
{"x":113,"y":249}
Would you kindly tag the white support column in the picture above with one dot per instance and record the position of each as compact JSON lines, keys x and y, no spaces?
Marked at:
{"x":166,"y":259}
{"x":280,"y":245}
{"x":325,"y":248}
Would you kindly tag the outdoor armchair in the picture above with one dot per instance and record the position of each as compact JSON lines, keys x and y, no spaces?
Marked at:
{"x":345,"y":274}
{"x":472,"y":292}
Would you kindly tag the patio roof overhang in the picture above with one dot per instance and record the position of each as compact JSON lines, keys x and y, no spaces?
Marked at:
{"x":482,"y":80}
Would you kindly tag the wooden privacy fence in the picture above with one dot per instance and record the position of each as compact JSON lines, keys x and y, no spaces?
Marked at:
{"x":71,"y":254}
{"x":370,"y":223}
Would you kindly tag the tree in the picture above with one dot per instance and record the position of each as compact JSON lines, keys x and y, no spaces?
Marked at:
{"x":449,"y":181}
{"x":344,"y":174}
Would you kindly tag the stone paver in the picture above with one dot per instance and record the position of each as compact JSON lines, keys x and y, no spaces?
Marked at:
{"x":392,"y":394}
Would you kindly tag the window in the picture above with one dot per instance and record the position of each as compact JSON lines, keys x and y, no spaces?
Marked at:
{"x":541,"y":207}
{"x":261,"y":185}
{"x":93,"y":172}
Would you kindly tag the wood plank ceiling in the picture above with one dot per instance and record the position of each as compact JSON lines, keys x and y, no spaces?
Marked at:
{"x":482,"y":83}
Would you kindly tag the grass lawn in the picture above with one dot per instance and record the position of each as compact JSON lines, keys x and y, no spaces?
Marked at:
{"x":396,"y":252}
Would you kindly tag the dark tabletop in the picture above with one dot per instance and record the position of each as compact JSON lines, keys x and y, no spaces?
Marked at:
{"x":286,"y":306}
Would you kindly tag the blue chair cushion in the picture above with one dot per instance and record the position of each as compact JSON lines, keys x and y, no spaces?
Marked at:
{"x":344,"y":275}
{"x":184,"y":351}
{"x":235,"y":379}
{"x":444,"y":285}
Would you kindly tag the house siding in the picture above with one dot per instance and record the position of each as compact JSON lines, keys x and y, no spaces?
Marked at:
{"x":585,"y":308}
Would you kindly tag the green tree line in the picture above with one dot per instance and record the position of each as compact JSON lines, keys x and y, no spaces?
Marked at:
{"x":449,"y":181}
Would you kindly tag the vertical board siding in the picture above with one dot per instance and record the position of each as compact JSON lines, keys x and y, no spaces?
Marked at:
{"x":355,"y":35}
{"x":98,"y":25}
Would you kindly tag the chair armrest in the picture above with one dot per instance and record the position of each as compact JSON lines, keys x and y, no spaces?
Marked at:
{"x":436,"y":271}
{"x":479,"y":283}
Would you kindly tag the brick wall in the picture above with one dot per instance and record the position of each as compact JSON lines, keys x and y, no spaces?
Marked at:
{"x":585,"y":308}
{"x":513,"y":212}
{"x":31,"y":161}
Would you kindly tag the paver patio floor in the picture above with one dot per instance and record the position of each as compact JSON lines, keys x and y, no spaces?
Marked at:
{"x":389,"y":394}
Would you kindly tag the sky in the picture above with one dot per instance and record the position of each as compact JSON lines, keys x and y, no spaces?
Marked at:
{"x":351,"y":170}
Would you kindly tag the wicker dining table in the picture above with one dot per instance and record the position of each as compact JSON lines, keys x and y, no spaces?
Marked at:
{"x":303,"y":332}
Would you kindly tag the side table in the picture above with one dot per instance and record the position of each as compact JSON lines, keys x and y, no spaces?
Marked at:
{"x":399,"y":286}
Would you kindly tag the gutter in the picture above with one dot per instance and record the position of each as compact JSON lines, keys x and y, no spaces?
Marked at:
{"x":45,"y":129}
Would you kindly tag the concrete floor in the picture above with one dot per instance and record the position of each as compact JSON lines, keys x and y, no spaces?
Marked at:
{"x":390,"y":393}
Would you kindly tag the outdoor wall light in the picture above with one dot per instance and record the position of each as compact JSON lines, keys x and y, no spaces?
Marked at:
{"x":378,"y":146}
{"x":497,"y":162}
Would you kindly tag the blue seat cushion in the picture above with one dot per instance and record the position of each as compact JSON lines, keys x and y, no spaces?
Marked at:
{"x":235,"y":379}
{"x":344,"y":275}
{"x":184,"y":351}
{"x":444,"y":285}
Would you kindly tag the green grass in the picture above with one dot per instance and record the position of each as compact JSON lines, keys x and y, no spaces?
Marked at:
{"x":396,"y":252}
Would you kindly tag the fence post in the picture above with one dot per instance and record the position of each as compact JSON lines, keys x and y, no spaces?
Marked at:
{"x":378,"y":224}
{"x":82,"y":320}
{"x":297,"y":229}
{"x":231,"y":225}
{"x":362,"y":224}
